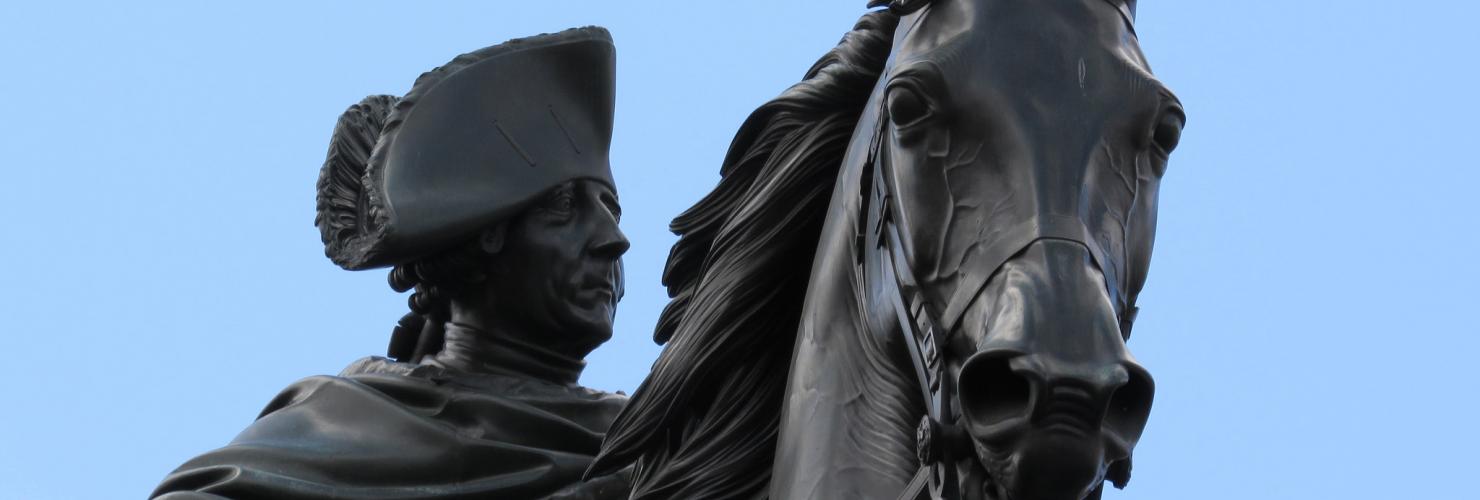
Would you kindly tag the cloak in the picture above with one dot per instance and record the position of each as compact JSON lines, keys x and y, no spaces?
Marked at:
{"x":388,"y":430}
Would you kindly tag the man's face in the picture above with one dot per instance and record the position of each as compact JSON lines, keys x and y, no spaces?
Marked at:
{"x":561,"y":267}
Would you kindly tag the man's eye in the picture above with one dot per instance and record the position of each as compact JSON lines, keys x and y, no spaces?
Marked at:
{"x":560,"y":202}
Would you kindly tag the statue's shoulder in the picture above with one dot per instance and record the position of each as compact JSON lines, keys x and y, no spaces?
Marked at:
{"x":398,"y":430}
{"x":373,"y":369}
{"x":380,"y":365}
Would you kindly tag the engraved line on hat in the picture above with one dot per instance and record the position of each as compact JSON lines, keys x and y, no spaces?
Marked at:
{"x":561,"y":124}
{"x":514,"y":143}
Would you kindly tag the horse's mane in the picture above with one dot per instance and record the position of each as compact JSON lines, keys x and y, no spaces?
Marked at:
{"x":704,"y":423}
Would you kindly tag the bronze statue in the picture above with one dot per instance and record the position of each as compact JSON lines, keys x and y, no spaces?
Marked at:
{"x":487,"y":188}
{"x":918,"y":273}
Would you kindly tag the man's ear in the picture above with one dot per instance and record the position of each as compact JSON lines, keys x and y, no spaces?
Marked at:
{"x":492,"y":239}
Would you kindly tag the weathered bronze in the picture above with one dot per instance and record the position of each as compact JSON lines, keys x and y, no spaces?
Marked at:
{"x":919,"y":270}
{"x":488,"y":188}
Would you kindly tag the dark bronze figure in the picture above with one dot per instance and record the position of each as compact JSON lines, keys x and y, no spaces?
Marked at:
{"x":919,"y":270}
{"x":488,"y":189}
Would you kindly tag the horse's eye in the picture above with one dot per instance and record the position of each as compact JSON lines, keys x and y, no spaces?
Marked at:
{"x":1168,"y":132}
{"x":906,"y":107}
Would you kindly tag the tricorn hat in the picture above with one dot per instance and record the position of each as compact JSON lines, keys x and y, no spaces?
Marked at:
{"x":471,"y":144}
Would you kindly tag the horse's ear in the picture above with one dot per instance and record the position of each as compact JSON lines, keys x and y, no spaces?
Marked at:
{"x":900,"y":7}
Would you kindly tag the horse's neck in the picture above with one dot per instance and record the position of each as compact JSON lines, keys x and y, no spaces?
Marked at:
{"x":848,"y":421}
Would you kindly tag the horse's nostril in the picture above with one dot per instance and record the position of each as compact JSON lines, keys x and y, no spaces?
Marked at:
{"x":1130,"y":405}
{"x":991,"y":391}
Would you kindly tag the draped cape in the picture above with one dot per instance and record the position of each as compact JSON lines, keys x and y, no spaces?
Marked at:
{"x":388,"y":430}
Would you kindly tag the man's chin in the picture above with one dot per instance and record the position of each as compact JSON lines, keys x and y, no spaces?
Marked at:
{"x":591,"y":324}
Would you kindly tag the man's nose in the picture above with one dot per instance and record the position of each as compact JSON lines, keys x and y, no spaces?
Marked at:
{"x":609,"y":241}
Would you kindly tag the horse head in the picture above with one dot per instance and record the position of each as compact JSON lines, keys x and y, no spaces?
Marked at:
{"x":993,"y":168}
{"x":1011,"y":188}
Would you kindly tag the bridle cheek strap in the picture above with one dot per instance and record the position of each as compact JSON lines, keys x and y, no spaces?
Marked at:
{"x":887,"y":269}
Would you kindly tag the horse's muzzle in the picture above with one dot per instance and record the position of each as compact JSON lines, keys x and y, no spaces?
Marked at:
{"x":1052,"y":400}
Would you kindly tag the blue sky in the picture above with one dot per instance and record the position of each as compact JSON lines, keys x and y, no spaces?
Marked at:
{"x":1309,"y":317}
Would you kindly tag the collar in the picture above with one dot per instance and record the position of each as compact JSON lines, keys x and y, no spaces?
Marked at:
{"x":470,"y":350}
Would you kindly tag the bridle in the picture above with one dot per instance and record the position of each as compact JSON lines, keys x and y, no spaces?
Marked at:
{"x":926,"y":327}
